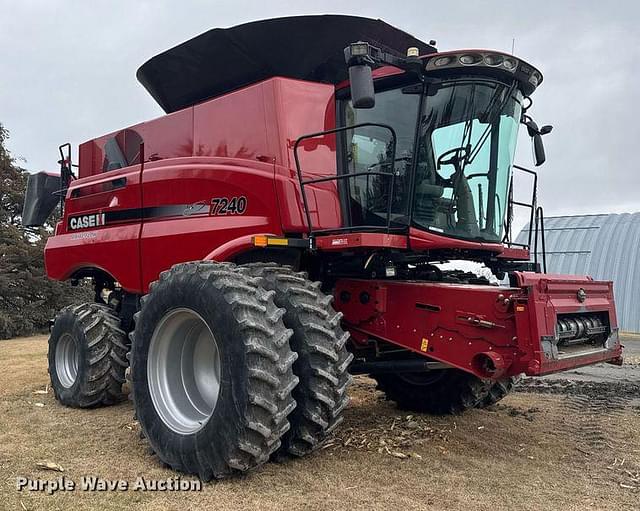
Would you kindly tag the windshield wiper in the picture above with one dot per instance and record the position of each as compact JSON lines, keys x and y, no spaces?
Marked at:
{"x":494,"y":115}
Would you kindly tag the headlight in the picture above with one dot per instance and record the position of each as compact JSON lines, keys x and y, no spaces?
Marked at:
{"x":493,"y":60}
{"x":359,"y":49}
{"x":510,"y":64}
{"x":442,"y":61}
{"x":470,"y":59}
{"x":534,"y":79}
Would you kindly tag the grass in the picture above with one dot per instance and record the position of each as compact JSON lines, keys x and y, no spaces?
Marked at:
{"x":525,"y":453}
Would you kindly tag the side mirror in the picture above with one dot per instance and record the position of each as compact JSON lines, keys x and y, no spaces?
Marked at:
{"x":40,"y":199}
{"x":538,"y":150}
{"x":362,"y":93}
{"x":359,"y":57}
{"x":536,"y":133}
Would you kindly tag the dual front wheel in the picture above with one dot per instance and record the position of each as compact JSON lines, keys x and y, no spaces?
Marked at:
{"x":233,"y":366}
{"x":229,"y":366}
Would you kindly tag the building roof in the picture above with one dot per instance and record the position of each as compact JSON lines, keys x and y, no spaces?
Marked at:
{"x":606,"y":247}
{"x":303,"y":47}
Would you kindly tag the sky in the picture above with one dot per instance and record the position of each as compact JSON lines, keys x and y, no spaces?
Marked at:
{"x":68,"y":74}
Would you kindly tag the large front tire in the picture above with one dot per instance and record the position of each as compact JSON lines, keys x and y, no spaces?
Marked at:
{"x":87,"y":356}
{"x":211,"y":370}
{"x":323,"y":359}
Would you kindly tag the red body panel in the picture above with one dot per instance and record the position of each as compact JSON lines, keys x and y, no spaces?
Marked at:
{"x":421,"y":240}
{"x":68,"y":252}
{"x":361,"y":240}
{"x":191,"y":234}
{"x":238,"y":145}
{"x":417,"y":241}
{"x":462,"y":325}
{"x":301,"y":108}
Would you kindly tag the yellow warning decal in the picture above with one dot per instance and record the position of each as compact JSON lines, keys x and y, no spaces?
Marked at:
{"x":424,"y":345}
{"x":520,"y":308}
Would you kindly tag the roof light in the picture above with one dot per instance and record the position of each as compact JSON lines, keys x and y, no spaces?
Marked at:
{"x":470,"y":59}
{"x":359,"y":49}
{"x":510,"y":64}
{"x":442,"y":61}
{"x":534,"y":79}
{"x":493,"y":60}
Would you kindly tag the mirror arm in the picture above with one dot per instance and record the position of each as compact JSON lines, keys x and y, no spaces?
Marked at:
{"x":362,"y":53}
{"x":362,"y":58}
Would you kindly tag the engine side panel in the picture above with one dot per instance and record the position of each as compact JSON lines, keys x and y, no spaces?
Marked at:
{"x":207,"y":184}
{"x":193,"y":206}
{"x":100,"y":228}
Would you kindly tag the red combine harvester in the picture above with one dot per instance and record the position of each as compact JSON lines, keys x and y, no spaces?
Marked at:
{"x":282,"y":227}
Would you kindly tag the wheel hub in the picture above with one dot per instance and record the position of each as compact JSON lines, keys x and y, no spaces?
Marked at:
{"x":66,"y":359}
{"x":183,"y":371}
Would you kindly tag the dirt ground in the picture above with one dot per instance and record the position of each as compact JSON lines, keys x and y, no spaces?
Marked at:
{"x":565,"y":442}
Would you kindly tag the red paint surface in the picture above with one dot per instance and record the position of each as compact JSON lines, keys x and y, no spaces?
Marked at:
{"x":240,"y":144}
{"x":338,"y":242}
{"x":114,"y":249}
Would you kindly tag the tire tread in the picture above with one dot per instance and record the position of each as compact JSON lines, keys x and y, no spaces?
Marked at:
{"x":106,"y":349}
{"x":323,"y":359}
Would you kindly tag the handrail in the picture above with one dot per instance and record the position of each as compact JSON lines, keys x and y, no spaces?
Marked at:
{"x":540,"y":224}
{"x":66,"y":174}
{"x":532,"y":207}
{"x":339,"y":177}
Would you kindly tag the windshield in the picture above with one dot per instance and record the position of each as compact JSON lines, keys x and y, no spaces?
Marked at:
{"x":466,"y":144}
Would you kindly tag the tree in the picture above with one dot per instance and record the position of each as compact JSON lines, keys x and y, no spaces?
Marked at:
{"x":28,"y":299}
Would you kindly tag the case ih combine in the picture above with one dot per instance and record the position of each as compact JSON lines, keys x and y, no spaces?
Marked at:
{"x":282,"y":227}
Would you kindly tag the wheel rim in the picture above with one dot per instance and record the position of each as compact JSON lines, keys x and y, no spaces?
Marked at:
{"x":183,"y":370}
{"x":67,"y":356}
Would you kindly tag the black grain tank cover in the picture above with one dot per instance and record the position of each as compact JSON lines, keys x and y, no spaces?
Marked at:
{"x":225,"y":59}
{"x":40,"y":199}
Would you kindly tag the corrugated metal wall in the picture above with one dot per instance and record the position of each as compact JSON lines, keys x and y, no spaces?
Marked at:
{"x":607,"y":247}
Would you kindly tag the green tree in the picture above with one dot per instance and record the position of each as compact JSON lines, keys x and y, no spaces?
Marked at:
{"x":28,"y":299}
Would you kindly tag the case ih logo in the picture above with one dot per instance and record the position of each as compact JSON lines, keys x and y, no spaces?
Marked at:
{"x":86,"y":221}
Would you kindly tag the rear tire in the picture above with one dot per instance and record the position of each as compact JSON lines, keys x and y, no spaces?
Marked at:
{"x":199,"y":419}
{"x":323,"y":359}
{"x":499,"y":390}
{"x":441,"y":392}
{"x":87,"y":356}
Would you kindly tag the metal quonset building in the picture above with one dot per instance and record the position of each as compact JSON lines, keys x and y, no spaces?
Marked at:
{"x":606,"y":247}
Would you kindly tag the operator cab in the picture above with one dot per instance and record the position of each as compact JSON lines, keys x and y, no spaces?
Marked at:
{"x":462,"y":133}
{"x":432,"y":148}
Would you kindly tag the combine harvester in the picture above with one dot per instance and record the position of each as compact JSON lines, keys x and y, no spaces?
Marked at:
{"x":280,"y":229}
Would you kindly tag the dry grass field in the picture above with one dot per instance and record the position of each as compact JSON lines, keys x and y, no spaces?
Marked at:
{"x":563,"y":445}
